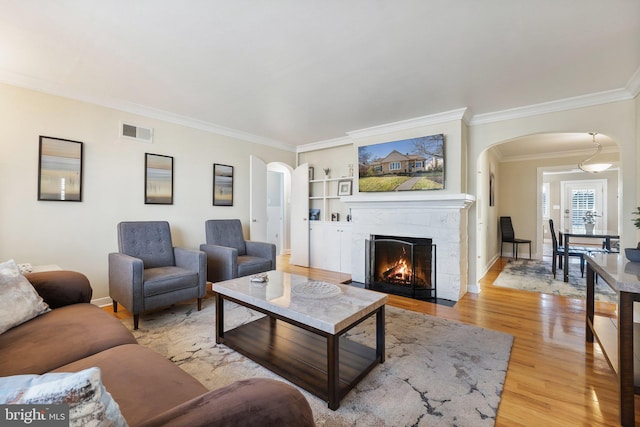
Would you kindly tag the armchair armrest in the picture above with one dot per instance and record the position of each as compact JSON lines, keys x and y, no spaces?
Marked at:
{"x":254,"y":402}
{"x":125,"y":281}
{"x":61,"y":287}
{"x":194,"y":260}
{"x":222,"y":262}
{"x":262,"y":250}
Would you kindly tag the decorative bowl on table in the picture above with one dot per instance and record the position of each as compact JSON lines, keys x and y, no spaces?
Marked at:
{"x":632,"y":254}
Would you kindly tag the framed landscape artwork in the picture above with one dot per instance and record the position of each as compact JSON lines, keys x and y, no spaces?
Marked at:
{"x":60,"y":170}
{"x":158,"y":179}
{"x":222,"y":185}
{"x":406,"y":165}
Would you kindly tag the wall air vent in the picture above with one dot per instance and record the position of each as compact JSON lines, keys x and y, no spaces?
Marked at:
{"x":136,"y":132}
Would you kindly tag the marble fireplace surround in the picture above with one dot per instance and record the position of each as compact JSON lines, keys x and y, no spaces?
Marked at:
{"x":443,"y":218}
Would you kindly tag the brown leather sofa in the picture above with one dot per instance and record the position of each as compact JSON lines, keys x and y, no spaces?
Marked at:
{"x":150,"y":390}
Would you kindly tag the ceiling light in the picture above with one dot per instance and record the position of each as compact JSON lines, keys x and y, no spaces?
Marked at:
{"x":594,"y":167}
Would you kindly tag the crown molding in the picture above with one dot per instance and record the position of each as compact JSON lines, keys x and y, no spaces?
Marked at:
{"x":432,"y":119}
{"x":554,"y":155}
{"x":328,"y":143}
{"x":633,"y":86}
{"x":553,"y":106}
{"x":132,"y":108}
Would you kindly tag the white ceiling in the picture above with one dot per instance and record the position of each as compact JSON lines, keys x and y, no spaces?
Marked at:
{"x":292,"y":72}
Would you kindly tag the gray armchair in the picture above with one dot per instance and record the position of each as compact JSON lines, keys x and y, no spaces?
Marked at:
{"x":148,"y":272}
{"x":230,"y":256}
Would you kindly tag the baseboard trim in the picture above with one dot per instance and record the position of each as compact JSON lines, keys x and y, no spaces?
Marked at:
{"x":102,"y":302}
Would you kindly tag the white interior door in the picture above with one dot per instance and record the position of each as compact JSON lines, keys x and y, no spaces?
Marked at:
{"x":258,"y":199}
{"x":275,"y":209}
{"x":300,"y":216}
{"x":579,"y":197}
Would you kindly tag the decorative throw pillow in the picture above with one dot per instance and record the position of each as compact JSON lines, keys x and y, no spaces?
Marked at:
{"x":90,"y":404}
{"x":20,"y":301}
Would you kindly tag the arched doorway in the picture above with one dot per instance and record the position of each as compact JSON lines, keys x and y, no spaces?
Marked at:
{"x":516,"y":170}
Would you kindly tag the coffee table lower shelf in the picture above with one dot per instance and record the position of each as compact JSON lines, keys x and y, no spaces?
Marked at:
{"x":301,"y":355}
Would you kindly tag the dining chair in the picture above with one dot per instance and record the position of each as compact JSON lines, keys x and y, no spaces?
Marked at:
{"x":508,"y":236}
{"x":559,"y":251}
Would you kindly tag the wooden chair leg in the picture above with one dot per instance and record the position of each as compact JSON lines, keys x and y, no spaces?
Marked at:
{"x":553,"y":265}
{"x":136,"y":320}
{"x":115,"y":306}
{"x":199,"y":304}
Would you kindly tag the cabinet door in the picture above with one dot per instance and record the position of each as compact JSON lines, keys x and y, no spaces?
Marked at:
{"x":345,"y":249}
{"x":331,"y":245}
{"x":316,"y":249}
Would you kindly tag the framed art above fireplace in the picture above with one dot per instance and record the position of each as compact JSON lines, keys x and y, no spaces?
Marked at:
{"x":405,"y":165}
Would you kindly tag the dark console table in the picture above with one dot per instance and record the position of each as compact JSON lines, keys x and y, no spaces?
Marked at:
{"x":617,"y":336}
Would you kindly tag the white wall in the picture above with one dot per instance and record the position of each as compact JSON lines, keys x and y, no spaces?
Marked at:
{"x":78,"y":236}
{"x":616,"y":120}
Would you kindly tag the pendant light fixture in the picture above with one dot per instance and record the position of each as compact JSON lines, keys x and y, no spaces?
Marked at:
{"x":594,"y":167}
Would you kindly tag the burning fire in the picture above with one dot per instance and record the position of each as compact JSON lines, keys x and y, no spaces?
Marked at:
{"x":399,"y":272}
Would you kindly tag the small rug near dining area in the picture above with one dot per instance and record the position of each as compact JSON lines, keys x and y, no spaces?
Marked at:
{"x":536,"y":276}
{"x":437,"y":372}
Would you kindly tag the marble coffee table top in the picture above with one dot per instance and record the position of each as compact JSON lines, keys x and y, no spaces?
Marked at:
{"x":325,"y":306}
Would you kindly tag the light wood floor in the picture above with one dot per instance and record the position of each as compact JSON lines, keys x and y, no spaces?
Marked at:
{"x":554,"y":377}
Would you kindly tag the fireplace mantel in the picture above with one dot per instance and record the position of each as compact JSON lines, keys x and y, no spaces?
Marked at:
{"x":441,"y":217}
{"x":413,"y":199}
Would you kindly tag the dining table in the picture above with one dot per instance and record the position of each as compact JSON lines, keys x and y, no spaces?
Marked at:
{"x":604,"y":236}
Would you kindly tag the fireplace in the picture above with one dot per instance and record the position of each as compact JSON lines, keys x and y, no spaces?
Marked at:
{"x":402,"y":266}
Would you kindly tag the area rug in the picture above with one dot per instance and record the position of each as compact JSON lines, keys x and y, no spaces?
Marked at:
{"x":536,"y":276}
{"x":437,"y":372}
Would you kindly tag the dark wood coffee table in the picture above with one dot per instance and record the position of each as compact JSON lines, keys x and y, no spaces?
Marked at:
{"x":301,"y":338}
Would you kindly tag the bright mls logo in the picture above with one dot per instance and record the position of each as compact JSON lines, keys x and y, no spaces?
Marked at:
{"x":34,"y":415}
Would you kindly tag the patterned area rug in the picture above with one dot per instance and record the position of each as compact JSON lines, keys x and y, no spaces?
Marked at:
{"x":437,"y":372}
{"x":536,"y":276}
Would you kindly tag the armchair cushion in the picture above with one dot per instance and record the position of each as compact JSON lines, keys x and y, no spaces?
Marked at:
{"x":249,"y":265}
{"x":226,"y":232}
{"x":160,"y":280}
{"x":149,"y":241}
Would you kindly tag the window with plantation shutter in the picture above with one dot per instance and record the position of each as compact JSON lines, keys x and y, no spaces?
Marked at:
{"x":580,"y":196}
{"x":581,"y":201}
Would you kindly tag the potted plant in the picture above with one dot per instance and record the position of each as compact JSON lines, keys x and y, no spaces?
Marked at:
{"x":589,"y":219}
{"x":633,"y":254}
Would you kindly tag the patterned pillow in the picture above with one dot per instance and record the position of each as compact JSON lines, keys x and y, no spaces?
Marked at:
{"x":19,"y":300}
{"x":90,"y":404}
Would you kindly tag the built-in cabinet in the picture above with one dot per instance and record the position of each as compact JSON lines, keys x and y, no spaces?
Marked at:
{"x":329,"y":234}
{"x":330,"y":245}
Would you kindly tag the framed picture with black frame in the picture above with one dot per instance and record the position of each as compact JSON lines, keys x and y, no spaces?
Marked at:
{"x":158,"y":179}
{"x":222,"y":185}
{"x":60,"y":170}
